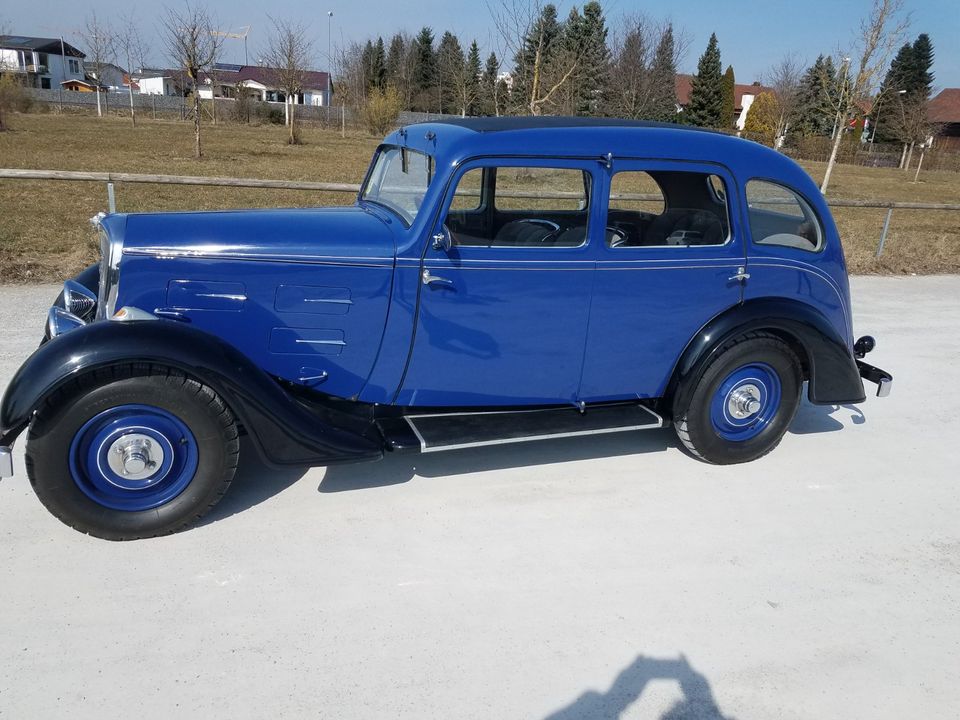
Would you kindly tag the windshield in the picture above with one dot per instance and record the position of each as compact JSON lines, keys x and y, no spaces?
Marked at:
{"x":399,"y":180}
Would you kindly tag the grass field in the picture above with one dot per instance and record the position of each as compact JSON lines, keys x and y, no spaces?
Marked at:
{"x":44,"y":234}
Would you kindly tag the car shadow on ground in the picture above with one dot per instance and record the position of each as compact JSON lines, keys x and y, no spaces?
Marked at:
{"x":697,"y":702}
{"x":254,"y":483}
{"x":811,"y":419}
{"x":401,"y":468}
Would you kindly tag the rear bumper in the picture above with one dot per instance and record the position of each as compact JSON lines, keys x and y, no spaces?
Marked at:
{"x":6,"y":462}
{"x":882,"y":379}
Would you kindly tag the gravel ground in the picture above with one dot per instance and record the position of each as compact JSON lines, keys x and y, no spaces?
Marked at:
{"x":600,"y":577}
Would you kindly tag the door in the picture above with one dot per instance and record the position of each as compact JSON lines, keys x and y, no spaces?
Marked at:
{"x":672,"y":259}
{"x":503,"y":310}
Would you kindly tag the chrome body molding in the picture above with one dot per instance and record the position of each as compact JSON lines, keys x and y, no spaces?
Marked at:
{"x":169,"y":253}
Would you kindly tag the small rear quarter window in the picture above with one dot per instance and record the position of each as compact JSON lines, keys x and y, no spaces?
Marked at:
{"x":779,"y":216}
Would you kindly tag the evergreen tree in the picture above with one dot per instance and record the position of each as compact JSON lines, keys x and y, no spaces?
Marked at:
{"x":396,"y":59}
{"x":424,"y":72}
{"x":593,"y":73}
{"x":474,"y":72}
{"x":815,"y":108}
{"x":706,"y":94}
{"x":535,"y":59}
{"x":663,"y":80}
{"x":378,"y":70}
{"x":366,"y":62}
{"x":450,"y":70}
{"x":490,"y":102}
{"x":920,"y":78}
{"x":729,"y":97}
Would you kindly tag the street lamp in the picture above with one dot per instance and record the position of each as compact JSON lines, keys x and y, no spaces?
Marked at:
{"x":873,"y":135}
{"x":329,"y":57}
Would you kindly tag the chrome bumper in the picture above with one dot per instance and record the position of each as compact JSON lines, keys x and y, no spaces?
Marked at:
{"x":882,"y":378}
{"x":6,"y":462}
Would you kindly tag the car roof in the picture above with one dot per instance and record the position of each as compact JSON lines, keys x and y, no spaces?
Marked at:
{"x":452,"y":141}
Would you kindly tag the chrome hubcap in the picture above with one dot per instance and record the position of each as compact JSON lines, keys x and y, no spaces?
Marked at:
{"x":744,"y":401}
{"x":135,"y":456}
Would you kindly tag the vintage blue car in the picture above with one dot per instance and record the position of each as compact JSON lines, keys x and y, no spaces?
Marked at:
{"x":497,"y":280}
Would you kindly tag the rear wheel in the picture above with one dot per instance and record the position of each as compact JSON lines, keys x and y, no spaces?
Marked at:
{"x":740,"y":405}
{"x":132,"y":452}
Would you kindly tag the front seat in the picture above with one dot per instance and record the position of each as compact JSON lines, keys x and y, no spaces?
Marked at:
{"x":528,"y":232}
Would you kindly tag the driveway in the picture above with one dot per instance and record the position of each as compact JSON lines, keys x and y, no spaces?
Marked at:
{"x":600,"y":577}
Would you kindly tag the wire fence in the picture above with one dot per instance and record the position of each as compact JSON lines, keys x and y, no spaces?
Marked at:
{"x":110,"y":179}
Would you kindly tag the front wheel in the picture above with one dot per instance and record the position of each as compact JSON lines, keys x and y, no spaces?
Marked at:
{"x":740,"y":405}
{"x":132,"y":452}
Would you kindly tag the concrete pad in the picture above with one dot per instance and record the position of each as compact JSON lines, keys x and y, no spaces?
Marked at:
{"x":600,"y":577}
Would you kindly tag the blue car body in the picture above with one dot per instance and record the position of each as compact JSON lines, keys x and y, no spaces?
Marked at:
{"x":313,"y":323}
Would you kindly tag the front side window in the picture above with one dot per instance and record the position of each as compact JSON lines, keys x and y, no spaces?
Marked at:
{"x":666,"y":208}
{"x":779,"y":216}
{"x":520,"y":206}
{"x":399,"y":180}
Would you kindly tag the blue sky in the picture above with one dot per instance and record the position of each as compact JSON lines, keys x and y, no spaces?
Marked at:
{"x":752,"y":35}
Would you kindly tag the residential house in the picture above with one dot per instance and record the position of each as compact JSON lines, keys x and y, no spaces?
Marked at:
{"x":743,"y":97}
{"x":45,"y":63}
{"x":944,"y":112}
{"x":112,"y":77}
{"x":260,"y":83}
{"x":155,"y":81}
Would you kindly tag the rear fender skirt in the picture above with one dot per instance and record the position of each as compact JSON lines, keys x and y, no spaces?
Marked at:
{"x":831,"y":367}
{"x":284,"y":430}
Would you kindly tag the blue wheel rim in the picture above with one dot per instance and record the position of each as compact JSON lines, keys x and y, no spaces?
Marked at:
{"x":90,"y":465}
{"x":744,"y":420}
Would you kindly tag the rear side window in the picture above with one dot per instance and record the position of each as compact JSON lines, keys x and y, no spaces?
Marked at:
{"x":779,"y":216}
{"x":666,"y":208}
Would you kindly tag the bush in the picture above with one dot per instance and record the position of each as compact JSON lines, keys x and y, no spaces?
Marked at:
{"x":12,"y":98}
{"x":380,"y":111}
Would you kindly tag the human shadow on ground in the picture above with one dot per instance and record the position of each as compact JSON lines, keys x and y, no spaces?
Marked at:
{"x":254,"y":483}
{"x":697,"y":703}
{"x":811,"y":419}
{"x":395,"y":469}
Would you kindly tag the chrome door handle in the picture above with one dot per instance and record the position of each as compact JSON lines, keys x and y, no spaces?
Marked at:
{"x":429,"y":279}
{"x":740,"y":276}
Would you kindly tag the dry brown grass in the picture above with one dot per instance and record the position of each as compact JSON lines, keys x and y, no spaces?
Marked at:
{"x":44,"y":234}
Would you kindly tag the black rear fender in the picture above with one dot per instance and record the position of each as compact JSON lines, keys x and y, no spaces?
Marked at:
{"x":827,"y":357}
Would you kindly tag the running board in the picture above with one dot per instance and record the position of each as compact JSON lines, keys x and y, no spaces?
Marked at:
{"x":436,"y":432}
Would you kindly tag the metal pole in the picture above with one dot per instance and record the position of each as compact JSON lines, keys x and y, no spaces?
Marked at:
{"x":111,"y":198}
{"x":343,"y":121}
{"x":329,"y":56}
{"x":883,"y":235}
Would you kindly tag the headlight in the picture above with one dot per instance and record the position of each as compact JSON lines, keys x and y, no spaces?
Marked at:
{"x":110,"y":251}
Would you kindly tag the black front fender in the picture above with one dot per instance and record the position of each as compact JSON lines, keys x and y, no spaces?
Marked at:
{"x":285,"y":431}
{"x":831,"y":367}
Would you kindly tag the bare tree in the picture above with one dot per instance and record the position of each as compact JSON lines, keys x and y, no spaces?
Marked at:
{"x":644,"y":55}
{"x":288,"y":55}
{"x":784,"y":80}
{"x":101,"y":50}
{"x":193,"y":47}
{"x":134,"y":50}
{"x":880,"y":34}
{"x":525,"y":35}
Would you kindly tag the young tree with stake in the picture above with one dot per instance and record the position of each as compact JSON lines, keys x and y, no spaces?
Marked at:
{"x":193,"y":46}
{"x":289,"y":55}
{"x":100,"y":50}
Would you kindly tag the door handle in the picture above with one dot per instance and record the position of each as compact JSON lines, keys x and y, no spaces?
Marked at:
{"x":741,"y":275}
{"x":429,"y":279}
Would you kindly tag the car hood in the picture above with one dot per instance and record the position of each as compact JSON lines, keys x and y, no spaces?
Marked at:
{"x":314,"y":234}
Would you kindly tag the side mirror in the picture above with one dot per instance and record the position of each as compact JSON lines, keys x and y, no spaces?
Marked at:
{"x":443,"y":240}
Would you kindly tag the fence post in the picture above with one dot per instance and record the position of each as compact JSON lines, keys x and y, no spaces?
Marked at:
{"x":343,"y":121}
{"x":154,"y":98}
{"x":111,"y":198}
{"x":60,"y":99}
{"x":883,"y":235}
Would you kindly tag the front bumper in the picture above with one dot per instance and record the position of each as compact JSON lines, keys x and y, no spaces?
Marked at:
{"x":6,"y":462}
{"x":882,"y":379}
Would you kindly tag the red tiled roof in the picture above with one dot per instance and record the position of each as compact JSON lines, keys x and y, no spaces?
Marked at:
{"x":684,"y":86}
{"x":945,"y":107}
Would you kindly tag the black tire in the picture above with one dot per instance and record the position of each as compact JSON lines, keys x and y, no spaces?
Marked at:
{"x":61,"y":417}
{"x":692,"y":414}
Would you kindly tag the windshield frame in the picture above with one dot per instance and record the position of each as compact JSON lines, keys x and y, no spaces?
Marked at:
{"x":375,"y":177}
